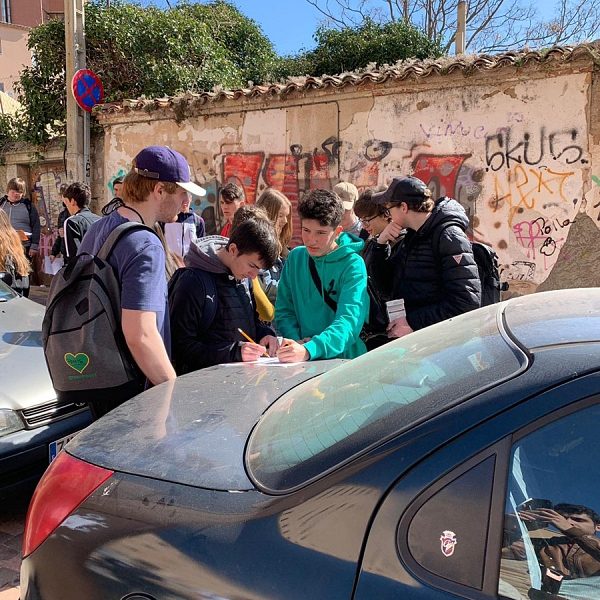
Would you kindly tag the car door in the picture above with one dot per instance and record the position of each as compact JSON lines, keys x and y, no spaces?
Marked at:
{"x":449,"y":527}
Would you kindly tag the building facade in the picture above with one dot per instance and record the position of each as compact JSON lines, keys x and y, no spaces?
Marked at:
{"x":30,"y":13}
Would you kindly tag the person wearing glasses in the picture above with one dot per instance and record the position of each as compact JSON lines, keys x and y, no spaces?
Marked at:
{"x":374,"y":218}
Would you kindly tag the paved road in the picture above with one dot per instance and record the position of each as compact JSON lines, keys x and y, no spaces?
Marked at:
{"x":12,"y":522}
{"x":12,"y":516}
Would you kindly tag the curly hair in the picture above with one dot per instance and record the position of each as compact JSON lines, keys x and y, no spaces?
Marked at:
{"x":323,"y":206}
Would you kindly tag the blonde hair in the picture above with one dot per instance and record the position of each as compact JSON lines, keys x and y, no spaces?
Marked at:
{"x":273,"y":201}
{"x":11,"y":246}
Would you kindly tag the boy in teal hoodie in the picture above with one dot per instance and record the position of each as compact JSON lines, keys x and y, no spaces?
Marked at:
{"x":322,"y":307}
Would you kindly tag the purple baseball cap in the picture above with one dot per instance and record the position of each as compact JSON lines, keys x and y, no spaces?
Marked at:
{"x":165,"y":164}
{"x":403,"y":189}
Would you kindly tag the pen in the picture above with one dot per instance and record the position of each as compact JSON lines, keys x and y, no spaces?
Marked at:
{"x":265,"y":353}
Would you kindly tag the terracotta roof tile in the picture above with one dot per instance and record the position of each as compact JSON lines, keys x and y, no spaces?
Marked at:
{"x":412,"y":68}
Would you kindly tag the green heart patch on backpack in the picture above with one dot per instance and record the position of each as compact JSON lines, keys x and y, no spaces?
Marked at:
{"x":77,"y":361}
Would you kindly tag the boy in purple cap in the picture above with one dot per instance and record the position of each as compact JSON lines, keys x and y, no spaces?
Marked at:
{"x":153,"y":190}
{"x":432,"y":269}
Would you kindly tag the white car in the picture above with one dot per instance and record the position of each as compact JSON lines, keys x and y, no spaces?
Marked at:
{"x":34,"y":425}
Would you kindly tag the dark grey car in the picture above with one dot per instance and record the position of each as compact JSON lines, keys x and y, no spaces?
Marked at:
{"x":438,"y":466}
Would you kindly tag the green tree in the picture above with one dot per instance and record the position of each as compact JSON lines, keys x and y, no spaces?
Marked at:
{"x":352,"y":48}
{"x":139,"y":51}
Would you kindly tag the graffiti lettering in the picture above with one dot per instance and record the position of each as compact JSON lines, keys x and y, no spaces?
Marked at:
{"x":520,"y":188}
{"x":453,"y":128}
{"x":502,"y":150}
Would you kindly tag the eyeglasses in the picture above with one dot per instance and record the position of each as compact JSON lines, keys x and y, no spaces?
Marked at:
{"x":384,"y":213}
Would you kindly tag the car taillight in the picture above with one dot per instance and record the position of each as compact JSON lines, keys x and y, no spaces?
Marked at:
{"x":64,"y":486}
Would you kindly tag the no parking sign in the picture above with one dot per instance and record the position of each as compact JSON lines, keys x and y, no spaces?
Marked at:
{"x":87,"y":89}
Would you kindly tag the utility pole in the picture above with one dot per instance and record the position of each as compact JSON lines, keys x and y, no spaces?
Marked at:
{"x":460,"y":41}
{"x":78,"y":120}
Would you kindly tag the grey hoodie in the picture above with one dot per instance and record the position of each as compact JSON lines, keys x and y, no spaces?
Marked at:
{"x":203,"y":254}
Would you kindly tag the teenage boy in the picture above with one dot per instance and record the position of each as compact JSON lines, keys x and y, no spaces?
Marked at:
{"x":23,"y":215}
{"x":232,"y":197}
{"x":432,"y":268}
{"x":218,"y":272}
{"x":322,"y":297}
{"x":348,"y":194}
{"x":153,"y":191}
{"x":374,"y":219}
{"x":187,"y":228}
{"x":77,"y":199}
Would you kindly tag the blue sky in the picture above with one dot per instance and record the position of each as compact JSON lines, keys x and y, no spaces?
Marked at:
{"x":290,"y":24}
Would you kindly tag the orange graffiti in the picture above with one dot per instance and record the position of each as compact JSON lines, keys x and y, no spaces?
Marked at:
{"x":520,"y":188}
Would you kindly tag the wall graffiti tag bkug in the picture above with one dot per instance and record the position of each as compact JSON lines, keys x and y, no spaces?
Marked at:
{"x":506,"y":149}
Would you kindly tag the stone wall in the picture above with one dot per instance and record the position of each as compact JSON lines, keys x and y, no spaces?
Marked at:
{"x":516,"y":145}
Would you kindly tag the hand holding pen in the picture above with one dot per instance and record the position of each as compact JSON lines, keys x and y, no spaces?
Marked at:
{"x":252,"y":351}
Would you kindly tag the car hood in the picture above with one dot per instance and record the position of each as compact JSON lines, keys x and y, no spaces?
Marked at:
{"x":23,"y":370}
{"x":192,"y":430}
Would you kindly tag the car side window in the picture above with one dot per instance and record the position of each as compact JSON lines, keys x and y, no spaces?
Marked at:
{"x":447,"y":536}
{"x":551,"y":543}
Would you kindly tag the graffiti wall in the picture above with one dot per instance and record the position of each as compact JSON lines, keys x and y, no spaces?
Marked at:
{"x":517,"y":158}
{"x":44,"y":182}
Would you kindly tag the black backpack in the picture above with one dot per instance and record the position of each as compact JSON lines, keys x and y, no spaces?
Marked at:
{"x":489,"y":275}
{"x":84,"y":345}
{"x":486,"y":260}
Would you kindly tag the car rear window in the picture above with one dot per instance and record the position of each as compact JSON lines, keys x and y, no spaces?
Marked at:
{"x":330,"y":419}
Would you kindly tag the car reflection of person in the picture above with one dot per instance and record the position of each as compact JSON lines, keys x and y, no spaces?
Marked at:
{"x":12,"y":257}
{"x":229,"y":263}
{"x":576,"y":552}
{"x":322,"y":299}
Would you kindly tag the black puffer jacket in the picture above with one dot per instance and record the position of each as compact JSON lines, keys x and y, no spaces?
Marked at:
{"x":192,"y":347}
{"x":435,"y":285}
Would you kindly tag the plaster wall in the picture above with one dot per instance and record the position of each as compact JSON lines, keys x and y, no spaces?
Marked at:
{"x":518,"y":153}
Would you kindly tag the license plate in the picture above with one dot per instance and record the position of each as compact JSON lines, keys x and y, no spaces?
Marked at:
{"x":58,"y":445}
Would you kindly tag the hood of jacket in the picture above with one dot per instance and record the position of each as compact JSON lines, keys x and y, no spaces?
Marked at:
{"x":446,"y":211}
{"x":347,"y":244}
{"x":203,"y":254}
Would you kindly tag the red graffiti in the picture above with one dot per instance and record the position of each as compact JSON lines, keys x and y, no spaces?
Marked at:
{"x":281,"y":173}
{"x":243,"y":169}
{"x":441,"y":171}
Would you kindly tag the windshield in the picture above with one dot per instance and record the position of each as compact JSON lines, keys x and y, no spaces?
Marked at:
{"x":6,"y":292}
{"x":328,"y":420}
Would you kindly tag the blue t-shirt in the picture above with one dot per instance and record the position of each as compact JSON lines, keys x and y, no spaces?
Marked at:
{"x":139,"y":260}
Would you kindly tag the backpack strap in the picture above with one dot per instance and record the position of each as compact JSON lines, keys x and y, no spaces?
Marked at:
{"x":317,"y":281}
{"x":116,"y":234}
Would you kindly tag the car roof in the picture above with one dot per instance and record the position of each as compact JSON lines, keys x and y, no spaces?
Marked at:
{"x":554,"y":318}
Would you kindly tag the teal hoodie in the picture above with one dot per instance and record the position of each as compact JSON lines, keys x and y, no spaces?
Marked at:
{"x":301,"y":311}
